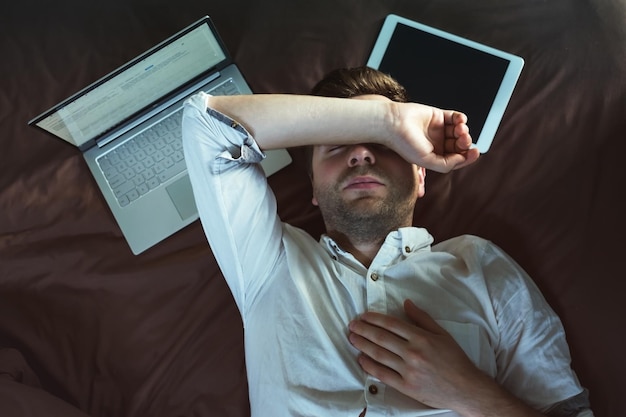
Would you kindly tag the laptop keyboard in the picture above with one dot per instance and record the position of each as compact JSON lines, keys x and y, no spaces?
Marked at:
{"x":150,"y":158}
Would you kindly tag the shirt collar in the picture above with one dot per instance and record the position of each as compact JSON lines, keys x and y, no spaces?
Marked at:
{"x":404,"y":242}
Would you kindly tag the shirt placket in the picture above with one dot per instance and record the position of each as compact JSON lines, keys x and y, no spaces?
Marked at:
{"x":376,"y":298}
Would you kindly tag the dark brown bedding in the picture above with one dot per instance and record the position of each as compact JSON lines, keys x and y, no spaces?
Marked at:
{"x":86,"y":328}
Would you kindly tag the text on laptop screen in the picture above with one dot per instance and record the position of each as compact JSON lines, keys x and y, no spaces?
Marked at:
{"x":445,"y":74}
{"x":100,"y":109}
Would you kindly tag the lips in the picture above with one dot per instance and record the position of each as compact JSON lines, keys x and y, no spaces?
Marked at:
{"x":363,"y":182}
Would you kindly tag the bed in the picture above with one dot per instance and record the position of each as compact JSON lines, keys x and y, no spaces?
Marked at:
{"x":89,"y":329}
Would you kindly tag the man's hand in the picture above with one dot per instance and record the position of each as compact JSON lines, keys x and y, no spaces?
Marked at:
{"x":424,"y":362}
{"x":433,"y":138}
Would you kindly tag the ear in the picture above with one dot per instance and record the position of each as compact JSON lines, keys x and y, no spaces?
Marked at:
{"x":313,"y":197}
{"x":421,"y":181}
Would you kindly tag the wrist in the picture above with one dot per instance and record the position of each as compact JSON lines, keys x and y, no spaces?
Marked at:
{"x":491,"y":400}
{"x":392,"y":124}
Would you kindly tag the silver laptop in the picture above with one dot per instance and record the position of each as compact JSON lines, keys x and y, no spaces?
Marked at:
{"x":128,"y":127}
{"x":449,"y":71}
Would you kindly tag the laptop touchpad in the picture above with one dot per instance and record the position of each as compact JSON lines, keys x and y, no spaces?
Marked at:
{"x":182,"y":196}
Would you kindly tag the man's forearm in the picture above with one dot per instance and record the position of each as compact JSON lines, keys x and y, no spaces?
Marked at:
{"x":283,"y":121}
{"x":433,"y":138}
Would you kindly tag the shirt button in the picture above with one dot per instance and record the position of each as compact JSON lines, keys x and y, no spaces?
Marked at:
{"x":373,"y":389}
{"x":374,"y":276}
{"x":407,"y":249}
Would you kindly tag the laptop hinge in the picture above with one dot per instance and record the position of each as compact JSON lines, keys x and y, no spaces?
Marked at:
{"x":111,"y":136}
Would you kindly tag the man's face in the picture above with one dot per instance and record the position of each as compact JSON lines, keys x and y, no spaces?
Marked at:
{"x":365,"y":191}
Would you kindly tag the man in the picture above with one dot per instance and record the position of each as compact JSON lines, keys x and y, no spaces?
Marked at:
{"x":371,"y":320}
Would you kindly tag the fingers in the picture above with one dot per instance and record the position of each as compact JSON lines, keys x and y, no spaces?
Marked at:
{"x":381,"y":348}
{"x":385,"y":351}
{"x":458,"y":145}
{"x":421,"y":321}
{"x":389,"y":345}
{"x":384,"y":338}
{"x":450,"y":160}
{"x":384,"y":373}
{"x":459,"y":134}
{"x":454,"y":117}
{"x":421,"y":318}
{"x":470,"y":157}
{"x":369,"y":322}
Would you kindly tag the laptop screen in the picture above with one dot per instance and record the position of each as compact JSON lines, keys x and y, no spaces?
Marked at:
{"x":123,"y":94}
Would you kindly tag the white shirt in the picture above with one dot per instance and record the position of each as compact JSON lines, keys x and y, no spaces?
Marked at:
{"x":296,"y":296}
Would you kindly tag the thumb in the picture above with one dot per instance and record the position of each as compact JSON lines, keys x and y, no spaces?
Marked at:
{"x":447,"y":162}
{"x":421,"y":318}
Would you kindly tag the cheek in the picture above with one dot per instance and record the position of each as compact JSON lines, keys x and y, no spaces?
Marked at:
{"x":322,"y":185}
{"x":410,"y":179}
{"x":323,"y":175}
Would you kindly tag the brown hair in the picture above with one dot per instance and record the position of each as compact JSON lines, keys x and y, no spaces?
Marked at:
{"x":352,"y":82}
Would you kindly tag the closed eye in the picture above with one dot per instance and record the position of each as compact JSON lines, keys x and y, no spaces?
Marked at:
{"x":334,"y":148}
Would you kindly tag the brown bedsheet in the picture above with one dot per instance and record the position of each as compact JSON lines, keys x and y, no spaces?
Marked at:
{"x":86,"y":328}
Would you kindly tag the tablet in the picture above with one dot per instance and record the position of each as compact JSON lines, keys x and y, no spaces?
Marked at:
{"x":447,"y":71}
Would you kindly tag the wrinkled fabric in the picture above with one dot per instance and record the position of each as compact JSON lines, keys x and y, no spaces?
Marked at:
{"x":297,"y":297}
{"x":159,"y":334}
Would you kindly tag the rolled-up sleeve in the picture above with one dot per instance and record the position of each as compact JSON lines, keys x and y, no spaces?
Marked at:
{"x":236,"y":205}
{"x":533,"y":357}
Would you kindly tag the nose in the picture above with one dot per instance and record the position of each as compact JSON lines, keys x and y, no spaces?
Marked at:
{"x":361,"y":155}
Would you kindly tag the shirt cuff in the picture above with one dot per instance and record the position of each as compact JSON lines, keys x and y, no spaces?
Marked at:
{"x":576,"y":406}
